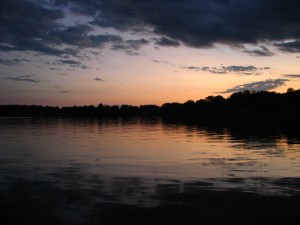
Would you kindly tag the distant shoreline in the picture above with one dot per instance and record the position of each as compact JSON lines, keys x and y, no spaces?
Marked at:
{"x":245,"y":107}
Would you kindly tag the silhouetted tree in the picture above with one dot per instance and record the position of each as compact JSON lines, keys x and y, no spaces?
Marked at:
{"x":149,"y":110}
{"x":245,"y":104}
{"x":129,"y":110}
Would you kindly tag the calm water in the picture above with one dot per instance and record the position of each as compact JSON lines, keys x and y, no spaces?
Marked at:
{"x":132,"y":160}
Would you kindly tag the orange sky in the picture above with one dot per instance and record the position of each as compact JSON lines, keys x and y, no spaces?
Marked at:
{"x":113,"y":65}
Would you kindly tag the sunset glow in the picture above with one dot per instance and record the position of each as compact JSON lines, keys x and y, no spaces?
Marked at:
{"x":65,"y":53}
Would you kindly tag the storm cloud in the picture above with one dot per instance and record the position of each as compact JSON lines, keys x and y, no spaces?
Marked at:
{"x":200,"y":23}
{"x":35,"y":25}
{"x":27,"y":25}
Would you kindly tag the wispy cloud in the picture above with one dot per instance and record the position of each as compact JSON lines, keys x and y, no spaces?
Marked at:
{"x":72,"y":63}
{"x":25,"y":78}
{"x":265,"y":85}
{"x":13,"y":62}
{"x":130,"y":47}
{"x":167,"y":42}
{"x":55,"y":69}
{"x":236,"y":69}
{"x":291,"y":46}
{"x":261,"y":51}
{"x":292,"y":75}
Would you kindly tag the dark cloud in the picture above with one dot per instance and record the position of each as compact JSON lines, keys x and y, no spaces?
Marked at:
{"x":291,"y":46}
{"x":292,"y":75}
{"x":33,"y":26}
{"x":53,"y":68}
{"x":99,"y":40}
{"x":79,"y":36}
{"x":7,"y":62}
{"x":162,"y":61}
{"x":28,"y":25}
{"x":70,"y":62}
{"x":200,"y":23}
{"x":122,"y":15}
{"x":98,"y":79}
{"x":13,"y":62}
{"x":164,"y":41}
{"x":205,"y":68}
{"x":26,"y":78}
{"x":84,"y":67}
{"x":241,"y":70}
{"x":136,"y":44}
{"x":72,"y":35}
{"x":51,"y":45}
{"x":195,"y":68}
{"x":64,"y":92}
{"x":23,"y":44}
{"x":262,"y":51}
{"x":26,"y":19}
{"x":257,"y":86}
{"x":24,"y":26}
{"x":130,"y":46}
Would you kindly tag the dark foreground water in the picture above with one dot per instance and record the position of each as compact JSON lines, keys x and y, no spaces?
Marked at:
{"x":146,"y":171}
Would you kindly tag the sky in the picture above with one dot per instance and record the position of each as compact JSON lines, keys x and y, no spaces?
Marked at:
{"x":86,"y":52}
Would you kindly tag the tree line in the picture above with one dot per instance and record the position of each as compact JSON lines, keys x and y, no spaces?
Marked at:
{"x":239,"y":104}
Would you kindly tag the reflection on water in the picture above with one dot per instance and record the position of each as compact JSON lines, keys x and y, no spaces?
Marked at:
{"x":72,"y":162}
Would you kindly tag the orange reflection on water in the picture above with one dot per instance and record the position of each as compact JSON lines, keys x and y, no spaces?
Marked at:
{"x":152,"y":148}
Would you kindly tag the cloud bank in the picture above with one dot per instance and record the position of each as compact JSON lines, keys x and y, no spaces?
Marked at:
{"x":201,"y":23}
{"x":34,"y":25}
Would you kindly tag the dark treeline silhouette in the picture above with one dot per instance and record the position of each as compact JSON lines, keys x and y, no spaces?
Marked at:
{"x":245,"y":104}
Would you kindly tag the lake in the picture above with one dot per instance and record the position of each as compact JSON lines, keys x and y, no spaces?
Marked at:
{"x":133,"y":170}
